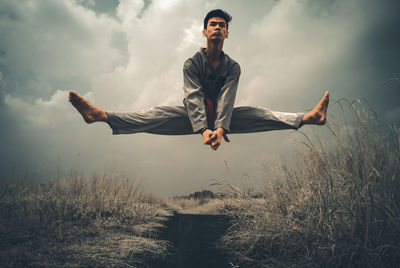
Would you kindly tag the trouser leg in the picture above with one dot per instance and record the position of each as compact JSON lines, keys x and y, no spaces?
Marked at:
{"x":165,"y":120}
{"x":249,"y":119}
{"x":174,"y":120}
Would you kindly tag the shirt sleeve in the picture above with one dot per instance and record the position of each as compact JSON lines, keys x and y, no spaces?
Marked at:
{"x":226,"y":98}
{"x":194,"y":97}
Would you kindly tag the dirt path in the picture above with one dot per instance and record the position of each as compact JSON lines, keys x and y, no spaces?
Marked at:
{"x":194,"y":237}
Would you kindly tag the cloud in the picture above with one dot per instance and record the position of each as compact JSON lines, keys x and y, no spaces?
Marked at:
{"x":129,"y":11}
{"x":41,"y":113}
{"x":192,"y":36}
{"x":295,"y":48}
{"x":47,"y":43}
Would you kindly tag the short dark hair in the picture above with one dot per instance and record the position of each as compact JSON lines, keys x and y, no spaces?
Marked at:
{"x":219,"y":14}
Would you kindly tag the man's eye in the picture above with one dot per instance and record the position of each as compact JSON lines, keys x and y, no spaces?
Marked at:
{"x":213,"y":23}
{"x":221,"y":24}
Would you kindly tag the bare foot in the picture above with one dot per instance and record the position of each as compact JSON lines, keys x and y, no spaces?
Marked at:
{"x":89,"y":112}
{"x":318,"y":115}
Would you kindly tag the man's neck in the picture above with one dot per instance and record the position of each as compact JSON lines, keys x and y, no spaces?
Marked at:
{"x":213,"y":51}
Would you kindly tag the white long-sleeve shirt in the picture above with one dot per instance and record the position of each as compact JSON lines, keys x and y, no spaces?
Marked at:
{"x":202,"y":81}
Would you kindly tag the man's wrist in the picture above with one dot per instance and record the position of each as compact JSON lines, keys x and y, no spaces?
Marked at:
{"x":203,"y":130}
{"x":221,"y":130}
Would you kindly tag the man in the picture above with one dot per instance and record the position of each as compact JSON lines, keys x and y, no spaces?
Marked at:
{"x":211,"y":79}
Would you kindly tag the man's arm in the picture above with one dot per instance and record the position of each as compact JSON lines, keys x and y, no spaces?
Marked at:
{"x":194,"y":97}
{"x":225,"y":102}
{"x":226,"y":99}
{"x":194,"y":101}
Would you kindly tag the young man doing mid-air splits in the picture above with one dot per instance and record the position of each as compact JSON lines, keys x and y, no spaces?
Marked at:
{"x":211,"y":78}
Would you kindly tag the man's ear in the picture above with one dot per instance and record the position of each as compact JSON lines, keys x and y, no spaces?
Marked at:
{"x":227,"y":34}
{"x":204,"y":32}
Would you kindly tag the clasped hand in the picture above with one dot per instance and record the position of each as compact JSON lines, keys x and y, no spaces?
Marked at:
{"x":213,"y":138}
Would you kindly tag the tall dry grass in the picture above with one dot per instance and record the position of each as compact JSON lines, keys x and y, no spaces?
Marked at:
{"x":78,"y":221}
{"x":339,"y":208}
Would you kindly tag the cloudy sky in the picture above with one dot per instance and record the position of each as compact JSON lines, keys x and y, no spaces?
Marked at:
{"x":128,"y":55}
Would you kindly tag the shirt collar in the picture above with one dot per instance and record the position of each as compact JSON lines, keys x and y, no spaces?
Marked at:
{"x":205,"y":59}
{"x":203,"y":52}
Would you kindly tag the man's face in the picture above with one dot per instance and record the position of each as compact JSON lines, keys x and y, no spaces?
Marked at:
{"x":216,"y":29}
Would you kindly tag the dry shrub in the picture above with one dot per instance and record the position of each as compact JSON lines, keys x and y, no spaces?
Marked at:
{"x":227,"y":198}
{"x":97,"y":221}
{"x":340,"y":207}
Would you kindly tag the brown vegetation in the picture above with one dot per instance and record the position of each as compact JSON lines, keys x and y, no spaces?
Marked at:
{"x":339,"y":208}
{"x":78,"y":221}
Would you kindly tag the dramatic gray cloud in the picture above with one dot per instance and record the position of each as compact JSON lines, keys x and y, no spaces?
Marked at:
{"x":128,"y":55}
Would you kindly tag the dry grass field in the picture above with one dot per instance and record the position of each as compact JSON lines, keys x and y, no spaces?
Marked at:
{"x":339,"y":208}
{"x":78,"y":221}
